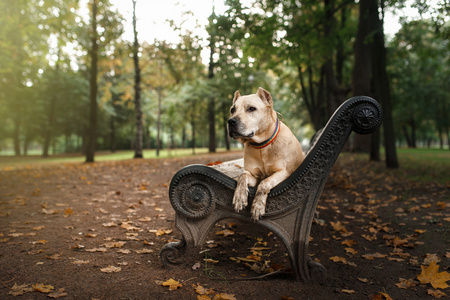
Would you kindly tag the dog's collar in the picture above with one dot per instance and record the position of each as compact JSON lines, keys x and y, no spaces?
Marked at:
{"x":270,"y":140}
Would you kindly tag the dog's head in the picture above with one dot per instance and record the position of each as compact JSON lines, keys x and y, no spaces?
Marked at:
{"x":251,"y":115}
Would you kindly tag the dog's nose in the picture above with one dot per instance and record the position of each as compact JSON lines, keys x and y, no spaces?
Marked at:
{"x":232,"y":121}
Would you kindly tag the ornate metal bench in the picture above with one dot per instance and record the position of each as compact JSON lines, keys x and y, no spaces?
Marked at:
{"x":202,"y":196}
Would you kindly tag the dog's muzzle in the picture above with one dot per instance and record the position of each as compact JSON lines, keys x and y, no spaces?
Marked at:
{"x":234,"y":128}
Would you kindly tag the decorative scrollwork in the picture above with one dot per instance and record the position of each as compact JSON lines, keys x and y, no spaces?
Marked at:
{"x":195,"y":199}
{"x":366,"y":118}
{"x":172,"y":253}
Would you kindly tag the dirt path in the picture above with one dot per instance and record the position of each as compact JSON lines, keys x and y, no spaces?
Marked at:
{"x":82,"y":231}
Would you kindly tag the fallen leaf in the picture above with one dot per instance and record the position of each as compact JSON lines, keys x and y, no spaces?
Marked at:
{"x":55,"y":256}
{"x":42,"y":242}
{"x":431,"y":275}
{"x":128,"y":226}
{"x":114,"y":244}
{"x":172,"y":284}
{"x":338,"y":259}
{"x":431,"y":257}
{"x":348,"y":291}
{"x":39,"y":287}
{"x":111,"y":269}
{"x":351,"y":250}
{"x":349,"y":243}
{"x":124,"y":251}
{"x":68,"y":211}
{"x":373,"y":256}
{"x":225,"y":232}
{"x":160,"y":232}
{"x":406,"y":283}
{"x":80,"y":262}
{"x":144,"y":251}
{"x":58,"y":293}
{"x":224,"y":296}
{"x":202,"y":290}
{"x":96,"y":250}
{"x":196,"y":266}
{"x":436,"y":293}
{"x":18,"y":290}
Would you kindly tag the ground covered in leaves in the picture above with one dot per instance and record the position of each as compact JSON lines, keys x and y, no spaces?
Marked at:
{"x":94,"y":231}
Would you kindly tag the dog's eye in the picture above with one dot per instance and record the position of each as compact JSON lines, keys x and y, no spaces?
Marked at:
{"x":232,"y":110}
{"x":251,"y":108}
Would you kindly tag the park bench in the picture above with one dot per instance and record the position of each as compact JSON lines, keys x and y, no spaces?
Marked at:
{"x":202,"y":195}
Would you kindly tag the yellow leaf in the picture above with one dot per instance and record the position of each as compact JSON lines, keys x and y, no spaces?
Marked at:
{"x":224,"y":296}
{"x":338,"y":259}
{"x":39,"y":287}
{"x":349,"y":243}
{"x":68,"y":211}
{"x":431,"y":275}
{"x":160,"y":232}
{"x":225,"y":232}
{"x":172,"y":284}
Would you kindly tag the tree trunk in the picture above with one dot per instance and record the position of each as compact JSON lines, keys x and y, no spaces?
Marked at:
{"x":211,"y":103}
{"x":113,"y":134}
{"x":407,"y":137}
{"x":92,"y":134}
{"x":193,"y":133}
{"x":158,"y":124}
{"x":382,"y":90}
{"x":362,"y":69}
{"x":137,"y":90}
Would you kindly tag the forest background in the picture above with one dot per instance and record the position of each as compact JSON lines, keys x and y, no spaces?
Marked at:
{"x":70,"y":82}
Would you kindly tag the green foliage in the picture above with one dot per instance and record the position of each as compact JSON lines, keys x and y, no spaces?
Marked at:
{"x":419,"y":67}
{"x":283,"y":46}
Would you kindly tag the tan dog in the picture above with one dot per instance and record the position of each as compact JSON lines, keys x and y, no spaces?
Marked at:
{"x":271,"y":151}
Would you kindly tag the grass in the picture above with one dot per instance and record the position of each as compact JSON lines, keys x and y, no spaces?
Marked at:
{"x":12,"y":162}
{"x":422,"y":165}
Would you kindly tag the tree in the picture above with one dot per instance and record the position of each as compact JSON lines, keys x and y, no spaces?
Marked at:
{"x":370,"y":78}
{"x":303,"y":35}
{"x":381,"y":87}
{"x":137,"y":90}
{"x":211,"y":104}
{"x":419,"y":60}
{"x":92,"y":133}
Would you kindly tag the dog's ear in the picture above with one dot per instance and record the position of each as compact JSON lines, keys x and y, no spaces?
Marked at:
{"x":265,"y":96}
{"x":236,"y":96}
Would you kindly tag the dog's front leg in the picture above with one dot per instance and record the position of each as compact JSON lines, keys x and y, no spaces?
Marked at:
{"x":264,"y":187}
{"x":240,"y":199}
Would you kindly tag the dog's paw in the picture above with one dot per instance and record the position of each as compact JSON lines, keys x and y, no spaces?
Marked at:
{"x":240,"y":199}
{"x":258,"y":210}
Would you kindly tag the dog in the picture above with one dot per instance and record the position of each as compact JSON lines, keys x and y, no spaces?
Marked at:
{"x":271,"y":151}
